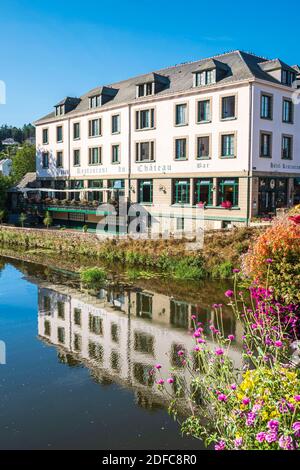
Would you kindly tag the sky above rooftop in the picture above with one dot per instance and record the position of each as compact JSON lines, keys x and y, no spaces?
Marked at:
{"x":52,"y":48}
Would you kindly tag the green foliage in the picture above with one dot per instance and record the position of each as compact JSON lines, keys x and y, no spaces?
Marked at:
{"x":92,"y":276}
{"x":22,"y":218}
{"x":222,"y":271}
{"x":85,"y":228}
{"x":23,"y":162}
{"x":2,"y":215}
{"x":5,"y":184}
{"x":47,"y":220}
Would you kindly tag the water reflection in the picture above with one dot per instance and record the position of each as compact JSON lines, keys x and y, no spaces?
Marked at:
{"x":120,"y":335}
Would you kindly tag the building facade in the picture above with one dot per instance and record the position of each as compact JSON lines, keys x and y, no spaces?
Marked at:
{"x":221,"y":134}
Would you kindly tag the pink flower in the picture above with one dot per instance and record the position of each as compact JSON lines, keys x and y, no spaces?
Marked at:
{"x":238,"y":442}
{"x":158,"y":366}
{"x":231,"y":337}
{"x":201,"y":341}
{"x":160,"y":382}
{"x":229,"y":293}
{"x":297,"y":397}
{"x":233,"y":386}
{"x":193,"y":317}
{"x":261,"y":436}
{"x":235,"y":270}
{"x":196,"y":348}
{"x":286,"y":443}
{"x":219,"y":352}
{"x":246,"y":401}
{"x":271,"y":437}
{"x":278,"y":344}
{"x":222,"y":397}
{"x":220,"y":445}
{"x":170,"y":380}
{"x":180,"y":353}
{"x":269,"y":260}
{"x":273,"y":425}
{"x":296,"y":428}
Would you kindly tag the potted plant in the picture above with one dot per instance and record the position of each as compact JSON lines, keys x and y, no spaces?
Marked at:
{"x":201,"y":205}
{"x":226,"y":204}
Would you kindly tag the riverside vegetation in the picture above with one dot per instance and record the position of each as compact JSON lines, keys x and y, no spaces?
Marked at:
{"x":169,"y":258}
{"x":255,"y":406}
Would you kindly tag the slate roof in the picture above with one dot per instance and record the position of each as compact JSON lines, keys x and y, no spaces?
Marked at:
{"x":241,"y":66}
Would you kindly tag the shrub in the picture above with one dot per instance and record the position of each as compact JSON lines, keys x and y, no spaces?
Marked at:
{"x":222,"y":271}
{"x":280,"y":245}
{"x":93,"y":276}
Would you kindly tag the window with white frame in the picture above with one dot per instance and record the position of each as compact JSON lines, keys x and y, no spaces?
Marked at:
{"x":181,"y":149}
{"x":145,"y":89}
{"x":115,"y":153}
{"x":228,"y":107}
{"x":76,"y":157}
{"x":227,"y":145}
{"x":181,"y":118}
{"x":204,"y":111}
{"x":145,"y":151}
{"x":207,"y":77}
{"x":145,"y":119}
{"x":287,"y":147}
{"x":287,"y":111}
{"x":115,"y":124}
{"x":95,"y":101}
{"x":94,"y":155}
{"x":94,"y":127}
{"x":203,"y":146}
{"x":76,"y":130}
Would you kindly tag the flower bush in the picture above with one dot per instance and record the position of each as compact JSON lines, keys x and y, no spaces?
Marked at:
{"x":281,"y":244}
{"x":254,"y":405}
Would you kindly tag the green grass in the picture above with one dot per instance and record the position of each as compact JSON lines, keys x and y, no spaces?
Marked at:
{"x":92,"y":276}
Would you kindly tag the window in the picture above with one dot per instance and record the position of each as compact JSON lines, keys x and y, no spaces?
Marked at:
{"x":287,"y":77}
{"x":47,"y":328}
{"x":266,"y":144}
{"x":94,"y":127}
{"x":59,"y":134}
{"x":95,"y":325}
{"x":287,"y":147}
{"x":114,"y":331}
{"x":203,"y":191}
{"x":145,"y":119}
{"x":203,"y":146}
{"x":181,"y":191}
{"x":60,"y":110}
{"x":45,"y":159}
{"x":207,"y":77}
{"x":61,"y":335}
{"x":95,"y":101}
{"x":61,"y":310}
{"x":145,"y":151}
{"x":181,"y":114}
{"x":228,"y":191}
{"x":266,"y":107}
{"x":76,"y":157}
{"x":77,"y":342}
{"x":76,"y":130}
{"x":94,"y":155}
{"x":145,"y":89}
{"x":115,"y":124}
{"x":45,"y":136}
{"x":228,"y":107}
{"x":144,"y":305}
{"x":181,"y":149}
{"x":144,"y":342}
{"x":95,"y":195}
{"x":287,"y":111}
{"x":204,"y":111}
{"x":77,"y":316}
{"x":59,"y":159}
{"x":145,"y":194}
{"x":227,"y":145}
{"x":115,"y":153}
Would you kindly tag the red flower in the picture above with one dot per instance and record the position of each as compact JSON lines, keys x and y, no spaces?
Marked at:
{"x":295,"y":219}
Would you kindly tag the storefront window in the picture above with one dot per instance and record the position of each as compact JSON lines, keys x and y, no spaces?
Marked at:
{"x":203,"y":191}
{"x":181,"y":191}
{"x":228,"y":190}
{"x":95,"y":195}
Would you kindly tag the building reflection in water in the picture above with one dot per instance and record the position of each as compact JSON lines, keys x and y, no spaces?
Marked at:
{"x":119,"y":335}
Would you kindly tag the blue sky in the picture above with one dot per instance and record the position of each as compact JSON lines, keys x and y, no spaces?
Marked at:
{"x":51,"y":49}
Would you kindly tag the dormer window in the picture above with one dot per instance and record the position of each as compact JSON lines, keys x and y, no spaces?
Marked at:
{"x":95,"y":101}
{"x":60,"y":110}
{"x":287,"y":77}
{"x":207,"y":77}
{"x":145,"y":89}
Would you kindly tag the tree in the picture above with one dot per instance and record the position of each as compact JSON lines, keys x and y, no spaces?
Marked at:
{"x":2,"y":215}
{"x":5,"y":184}
{"x":22,"y":218}
{"x":47,"y":220}
{"x":23,"y":162}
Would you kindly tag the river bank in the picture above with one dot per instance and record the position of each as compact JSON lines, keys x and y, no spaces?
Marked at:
{"x":172,"y":258}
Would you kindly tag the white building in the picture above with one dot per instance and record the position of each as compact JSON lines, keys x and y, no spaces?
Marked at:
{"x":222,"y":131}
{"x":5,"y":167}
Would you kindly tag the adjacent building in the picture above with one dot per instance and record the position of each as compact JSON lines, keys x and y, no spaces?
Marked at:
{"x":220,"y":133}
